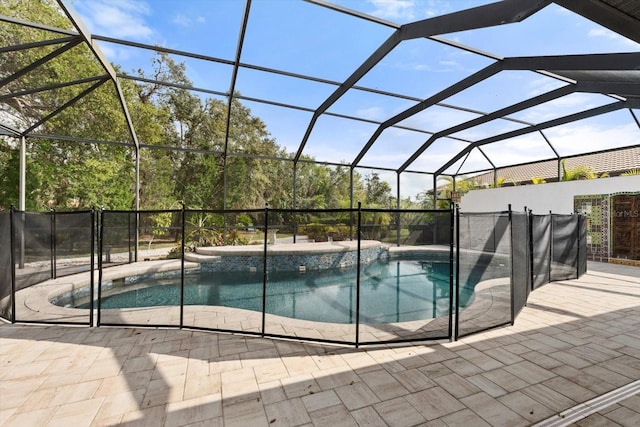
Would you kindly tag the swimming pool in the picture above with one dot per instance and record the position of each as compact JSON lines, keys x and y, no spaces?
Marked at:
{"x":390,"y":291}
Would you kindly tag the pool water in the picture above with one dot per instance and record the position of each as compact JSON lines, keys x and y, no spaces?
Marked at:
{"x":390,"y":291}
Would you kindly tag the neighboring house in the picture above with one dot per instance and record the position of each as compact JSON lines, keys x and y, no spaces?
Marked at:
{"x":611,"y":163}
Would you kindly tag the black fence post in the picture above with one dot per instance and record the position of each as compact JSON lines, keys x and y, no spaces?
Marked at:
{"x":136,"y":237}
{"x":578,"y":246}
{"x":531,"y":248}
{"x":264,"y":268}
{"x":457,"y":284}
{"x":358,"y":232}
{"x":582,"y":247}
{"x":182,"y":240}
{"x":135,"y":257}
{"x":454,"y":208}
{"x":92,"y":265}
{"x":52,"y":241}
{"x":294,"y":221}
{"x":513,"y":302}
{"x":551,"y":236}
{"x":528,"y":254}
{"x":100,"y":264}
{"x":22,"y":254}
{"x":12,"y":254}
{"x":398,"y":225}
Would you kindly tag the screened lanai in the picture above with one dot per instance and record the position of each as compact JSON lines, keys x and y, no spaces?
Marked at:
{"x":413,"y":91}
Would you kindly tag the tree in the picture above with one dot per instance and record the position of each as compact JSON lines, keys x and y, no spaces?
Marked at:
{"x":378,"y":192}
{"x":186,"y":153}
{"x":313,"y":184}
{"x":54,"y":167}
{"x":196,"y":123}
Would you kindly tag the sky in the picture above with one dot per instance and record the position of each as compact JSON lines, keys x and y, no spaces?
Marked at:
{"x":304,"y":38}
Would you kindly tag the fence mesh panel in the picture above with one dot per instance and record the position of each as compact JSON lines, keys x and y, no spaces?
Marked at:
{"x":311,"y":285}
{"x":5,"y":266}
{"x":223,"y":287}
{"x":484,"y":278}
{"x":160,"y":234}
{"x":520,"y":260}
{"x":118,"y":237}
{"x":32,"y":237}
{"x":73,"y":242}
{"x":405,"y":289}
{"x":541,"y":237}
{"x":35,"y":244}
{"x":146,"y":293}
{"x":32,"y":257}
{"x":564,"y":250}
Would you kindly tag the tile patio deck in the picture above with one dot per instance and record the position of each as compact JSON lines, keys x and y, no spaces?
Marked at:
{"x":575,"y":341}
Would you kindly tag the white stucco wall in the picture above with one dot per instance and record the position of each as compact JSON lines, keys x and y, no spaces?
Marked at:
{"x":556,"y":197}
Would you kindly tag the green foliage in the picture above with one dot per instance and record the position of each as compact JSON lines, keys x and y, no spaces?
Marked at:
{"x":576,"y":173}
{"x":425,"y":200}
{"x":375,"y":225}
{"x":158,"y":225}
{"x":244,"y":220}
{"x":538,"y":180}
{"x":462,"y":186}
{"x":235,"y":238}
{"x":321,"y":232}
{"x":500,"y":182}
{"x":9,"y":164}
{"x":631,"y":172}
{"x":378,"y":193}
{"x":322,"y":187}
{"x":202,"y":230}
{"x":58,"y":171}
{"x":107,"y":179}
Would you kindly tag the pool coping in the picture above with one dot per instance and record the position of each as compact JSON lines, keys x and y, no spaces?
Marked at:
{"x":290,"y":248}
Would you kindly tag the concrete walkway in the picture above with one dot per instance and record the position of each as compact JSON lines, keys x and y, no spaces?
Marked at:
{"x":575,"y":342}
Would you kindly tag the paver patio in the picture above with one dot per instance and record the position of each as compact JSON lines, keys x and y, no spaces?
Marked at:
{"x":575,"y":341}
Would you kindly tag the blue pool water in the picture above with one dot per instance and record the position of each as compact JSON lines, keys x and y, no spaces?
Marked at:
{"x":390,"y":291}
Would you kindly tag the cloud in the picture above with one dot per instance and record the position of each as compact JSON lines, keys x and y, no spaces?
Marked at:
{"x":581,"y":137}
{"x":610,"y":35}
{"x":436,"y":118}
{"x":116,"y":53}
{"x":443,"y":66}
{"x":409,"y":10}
{"x":543,"y":85}
{"x":562,"y":106}
{"x":385,"y":160}
{"x":328,"y":152}
{"x":371,"y":113}
{"x":430,"y":164}
{"x":117,"y":18}
{"x":181,"y":20}
{"x":185,"y":21}
{"x":394,"y":9}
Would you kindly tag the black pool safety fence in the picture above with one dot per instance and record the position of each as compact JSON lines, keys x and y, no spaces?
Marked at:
{"x":344,"y":276}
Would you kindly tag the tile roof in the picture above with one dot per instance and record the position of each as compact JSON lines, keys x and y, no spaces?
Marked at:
{"x":612,"y":162}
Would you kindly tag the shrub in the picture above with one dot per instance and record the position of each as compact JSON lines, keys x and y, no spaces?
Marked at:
{"x":321,"y":232}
